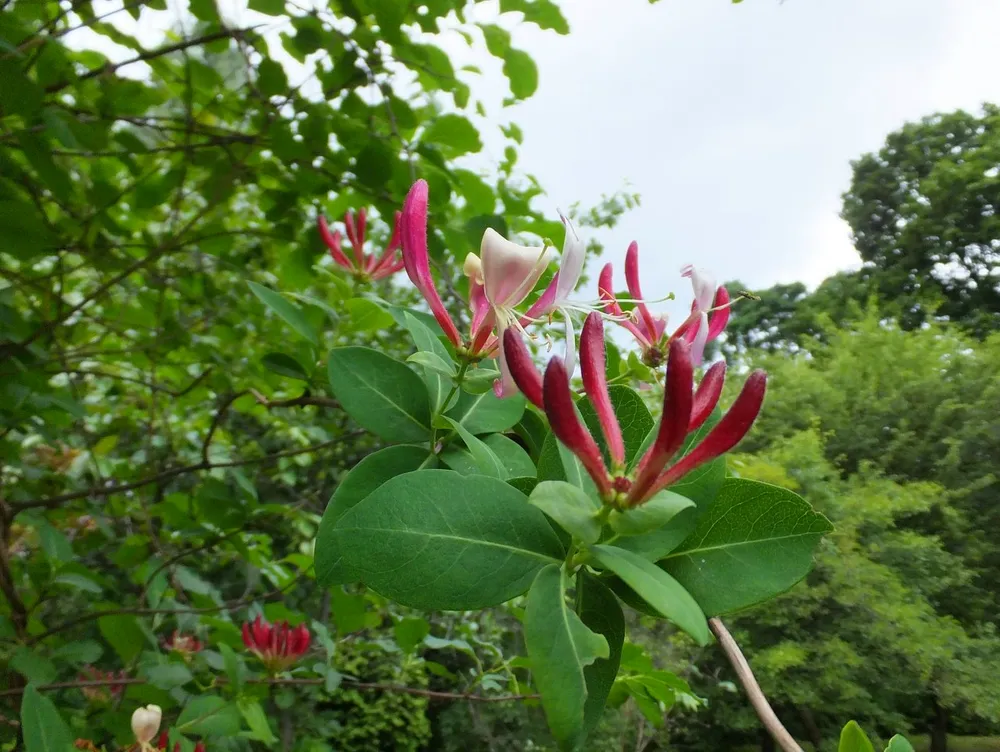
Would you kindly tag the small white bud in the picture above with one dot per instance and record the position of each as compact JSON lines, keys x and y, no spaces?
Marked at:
{"x":146,"y":722}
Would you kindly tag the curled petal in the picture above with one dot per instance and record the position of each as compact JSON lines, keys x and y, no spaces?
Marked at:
{"x":677,"y":401}
{"x":593,"y":364}
{"x":632,"y":280}
{"x":567,"y":427}
{"x":726,"y":434}
{"x":510,"y":271}
{"x":605,"y":290}
{"x":700,"y":338}
{"x":522,"y":367}
{"x":545,"y":303}
{"x":413,"y":235}
{"x":574,"y":255}
{"x":707,"y":395}
{"x":703,"y":284}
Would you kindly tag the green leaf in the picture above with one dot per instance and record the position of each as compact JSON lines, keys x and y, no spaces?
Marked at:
{"x":899,"y":744}
{"x":754,"y":542}
{"x":366,"y":316}
{"x":19,"y":95}
{"x":487,"y":413}
{"x":23,"y":233}
{"x":434,"y":358}
{"x":434,"y":539}
{"x":36,"y":668}
{"x":84,"y":651}
{"x":43,"y":728}
{"x":515,"y":460}
{"x":521,"y":71}
{"x":285,"y":365}
{"x":853,"y":739}
{"x":209,"y":715}
{"x":362,"y":480}
{"x":271,"y":78}
{"x":487,"y":462}
{"x":454,"y":135}
{"x":652,"y":515}
{"x":234,"y":666}
{"x":479,"y":380}
{"x":168,"y":675}
{"x":432,"y":362}
{"x":661,"y":592}
{"x":570,"y":507}
{"x":560,"y":646}
{"x":124,"y":634}
{"x":545,"y":14}
{"x":374,"y":165}
{"x":270,"y":7}
{"x":600,"y":611}
{"x":410,"y":632}
{"x":380,"y":393}
{"x":290,"y":313}
{"x":256,"y":719}
{"x":497,"y":39}
{"x":204,"y":10}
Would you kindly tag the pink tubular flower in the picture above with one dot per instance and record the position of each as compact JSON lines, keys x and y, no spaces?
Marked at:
{"x":362,"y":265}
{"x":500,"y":278}
{"x":684,"y":410}
{"x":709,"y":311}
{"x":101,"y":694}
{"x":277,"y":645}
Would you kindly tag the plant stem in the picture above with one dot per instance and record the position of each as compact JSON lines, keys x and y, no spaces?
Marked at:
{"x":752,"y":688}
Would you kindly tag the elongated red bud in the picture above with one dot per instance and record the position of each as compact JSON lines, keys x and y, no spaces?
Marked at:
{"x":352,"y":235}
{"x":707,"y":395}
{"x":726,"y":434}
{"x":362,"y":224}
{"x":593,"y":364}
{"x":632,"y":280}
{"x":247,"y":639}
{"x":522,"y":368}
{"x":606,"y":290}
{"x":677,"y":401}
{"x":567,"y":427}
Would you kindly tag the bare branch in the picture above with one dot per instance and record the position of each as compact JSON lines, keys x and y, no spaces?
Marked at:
{"x":757,"y":699}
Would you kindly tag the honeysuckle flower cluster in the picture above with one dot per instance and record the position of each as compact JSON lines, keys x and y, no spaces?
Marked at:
{"x":684,"y":410}
{"x":365,"y":266}
{"x":501,"y":277}
{"x":708,"y":318}
{"x":277,"y":645}
{"x":101,"y":694}
{"x":186,"y":645}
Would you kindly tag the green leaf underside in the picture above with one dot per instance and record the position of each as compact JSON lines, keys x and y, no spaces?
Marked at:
{"x":600,"y":611}
{"x":652,"y":515}
{"x":899,"y":744}
{"x":380,"y":393}
{"x":664,"y":594}
{"x":486,"y":461}
{"x":559,"y":646}
{"x":365,"y":477}
{"x":43,"y":728}
{"x":290,"y":313}
{"x":754,"y":542}
{"x":570,"y":507}
{"x":435,"y":539}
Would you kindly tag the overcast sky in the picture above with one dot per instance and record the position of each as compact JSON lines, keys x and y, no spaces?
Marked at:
{"x":735,"y":123}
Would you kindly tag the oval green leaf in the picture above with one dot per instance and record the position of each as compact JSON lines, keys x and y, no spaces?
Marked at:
{"x":363,"y":478}
{"x":290,"y":313}
{"x":661,"y":592}
{"x":754,"y":542}
{"x":570,"y":507}
{"x":380,"y":393}
{"x":43,"y":728}
{"x":434,"y":539}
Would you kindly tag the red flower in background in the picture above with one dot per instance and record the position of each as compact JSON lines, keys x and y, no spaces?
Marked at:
{"x":684,"y":410}
{"x":183,"y":643}
{"x":277,"y":645}
{"x":101,"y":694}
{"x":164,"y":740}
{"x":361,"y":264}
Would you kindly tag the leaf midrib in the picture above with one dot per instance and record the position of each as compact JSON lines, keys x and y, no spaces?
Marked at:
{"x":723,"y":546}
{"x":476,"y":541}
{"x":385,"y":398}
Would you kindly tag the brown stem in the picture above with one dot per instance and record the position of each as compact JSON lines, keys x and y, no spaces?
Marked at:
{"x":100,"y":491}
{"x":760,"y":704}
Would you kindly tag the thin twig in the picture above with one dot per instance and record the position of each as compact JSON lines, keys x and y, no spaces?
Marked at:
{"x":757,"y":699}
{"x":429,"y":693}
{"x":100,"y":491}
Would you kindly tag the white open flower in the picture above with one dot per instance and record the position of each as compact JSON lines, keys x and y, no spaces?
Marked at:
{"x":145,"y":723}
